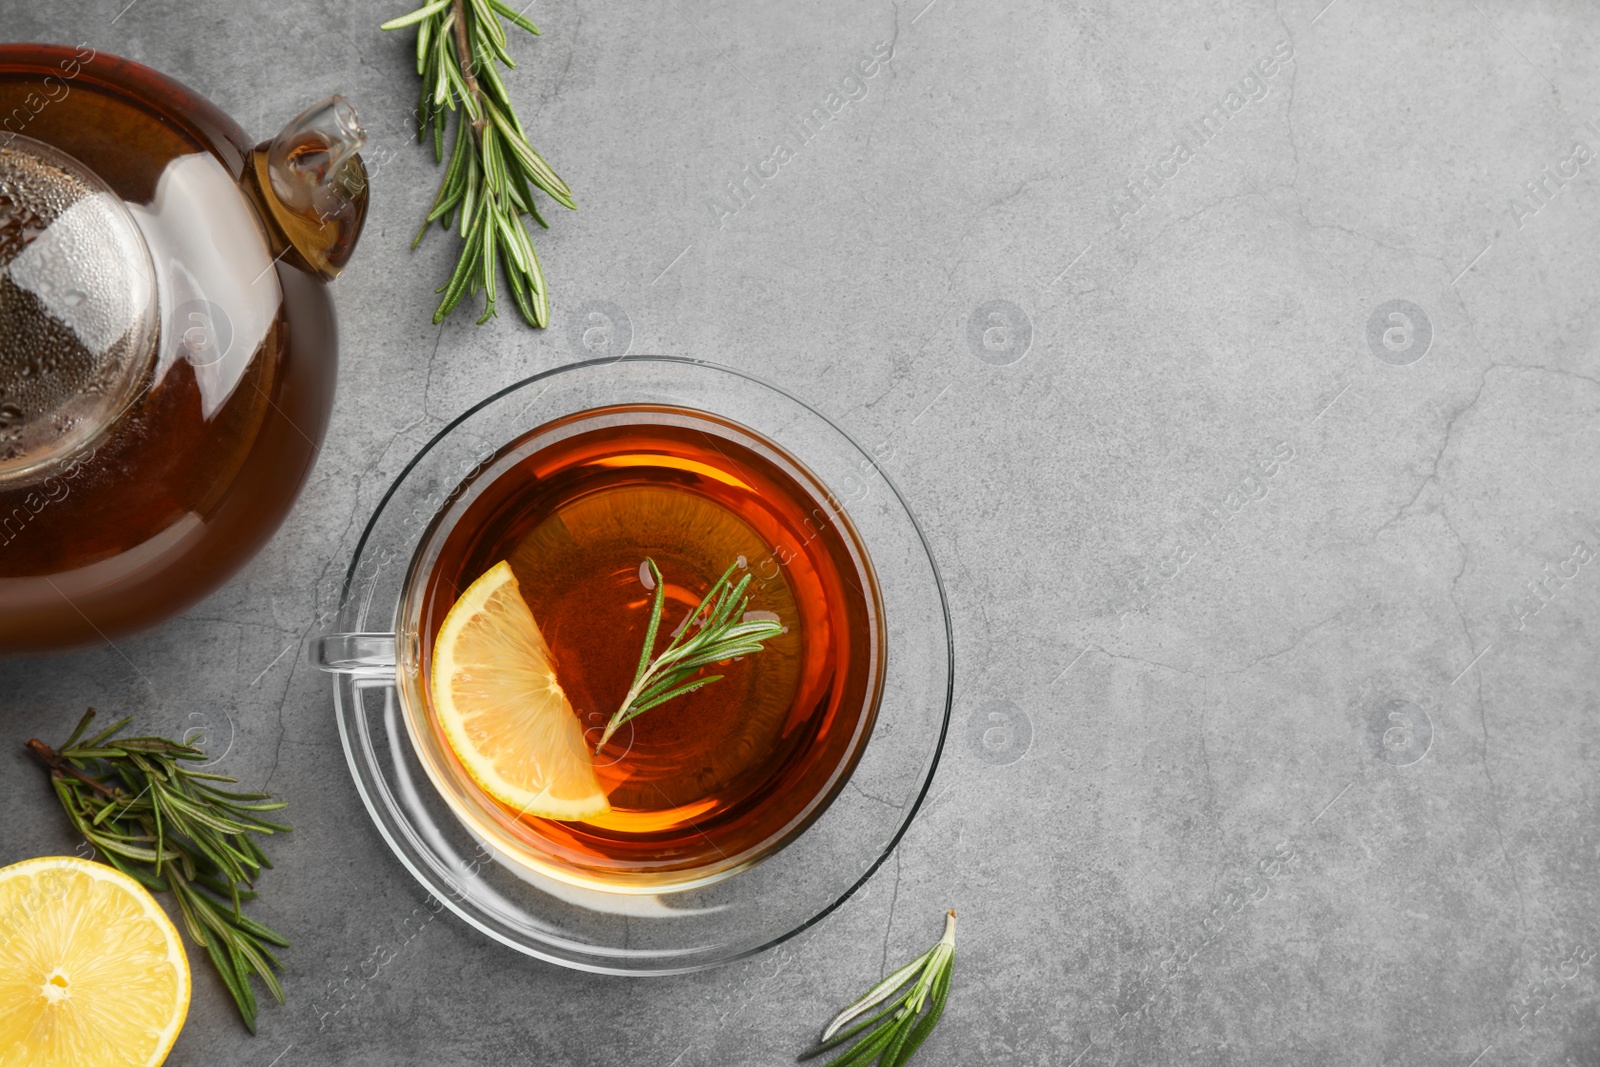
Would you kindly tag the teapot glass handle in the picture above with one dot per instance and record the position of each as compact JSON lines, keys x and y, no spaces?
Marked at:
{"x":361,"y":655}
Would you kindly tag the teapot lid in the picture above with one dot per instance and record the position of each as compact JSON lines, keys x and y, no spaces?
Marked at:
{"x":78,"y":307}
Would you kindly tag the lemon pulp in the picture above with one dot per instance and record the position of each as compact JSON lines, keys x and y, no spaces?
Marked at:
{"x":502,"y":711}
{"x":91,"y":969}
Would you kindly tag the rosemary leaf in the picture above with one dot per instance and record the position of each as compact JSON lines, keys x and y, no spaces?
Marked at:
{"x":839,"y":1039}
{"x":416,"y":16}
{"x":877,"y":994}
{"x":515,"y":17}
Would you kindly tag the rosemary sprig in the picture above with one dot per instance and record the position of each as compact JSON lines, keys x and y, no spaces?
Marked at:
{"x":722,"y":634}
{"x":905,"y":1026}
{"x":493,"y":169}
{"x":165,"y":825}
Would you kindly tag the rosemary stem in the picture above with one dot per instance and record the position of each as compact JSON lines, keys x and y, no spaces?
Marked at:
{"x":52,"y":759}
{"x":464,"y":61}
{"x":617,"y":720}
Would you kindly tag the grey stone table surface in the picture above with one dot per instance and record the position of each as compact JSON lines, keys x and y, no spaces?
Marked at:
{"x":1240,"y":360}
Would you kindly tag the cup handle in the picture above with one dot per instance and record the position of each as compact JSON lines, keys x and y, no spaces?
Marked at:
{"x":361,"y":655}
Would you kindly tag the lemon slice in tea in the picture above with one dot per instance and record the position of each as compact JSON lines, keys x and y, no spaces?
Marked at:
{"x":495,"y":692}
{"x":91,"y":969}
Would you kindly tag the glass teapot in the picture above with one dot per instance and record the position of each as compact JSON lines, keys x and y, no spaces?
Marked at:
{"x":167,"y":339}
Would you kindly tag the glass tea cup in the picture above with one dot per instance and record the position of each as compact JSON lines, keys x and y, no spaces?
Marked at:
{"x":686,"y":892}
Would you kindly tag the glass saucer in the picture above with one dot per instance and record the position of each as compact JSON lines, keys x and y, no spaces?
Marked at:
{"x":692,"y":928}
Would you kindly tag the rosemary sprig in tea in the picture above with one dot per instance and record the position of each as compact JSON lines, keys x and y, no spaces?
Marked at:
{"x":165,"y":825}
{"x":493,"y":169}
{"x":905,"y":1026}
{"x":722,"y":634}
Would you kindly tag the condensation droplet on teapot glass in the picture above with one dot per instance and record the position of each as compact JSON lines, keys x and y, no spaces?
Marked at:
{"x":78,"y":315}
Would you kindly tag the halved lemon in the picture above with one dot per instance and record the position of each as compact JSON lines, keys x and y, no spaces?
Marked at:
{"x":91,"y":969}
{"x":495,"y":692}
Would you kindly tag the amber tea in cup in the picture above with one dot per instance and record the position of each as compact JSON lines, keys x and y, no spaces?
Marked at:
{"x":710,"y":783}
